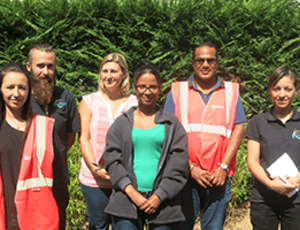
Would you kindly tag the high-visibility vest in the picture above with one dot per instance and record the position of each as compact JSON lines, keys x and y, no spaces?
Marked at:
{"x":35,"y":203}
{"x":208,"y":126}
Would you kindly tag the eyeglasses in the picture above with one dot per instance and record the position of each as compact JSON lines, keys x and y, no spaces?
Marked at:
{"x":152,"y":88}
{"x":210,"y":61}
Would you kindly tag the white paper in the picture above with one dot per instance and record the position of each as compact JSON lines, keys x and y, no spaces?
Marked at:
{"x":284,"y":166}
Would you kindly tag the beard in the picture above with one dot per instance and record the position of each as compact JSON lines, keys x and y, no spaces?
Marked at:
{"x":43,"y":89}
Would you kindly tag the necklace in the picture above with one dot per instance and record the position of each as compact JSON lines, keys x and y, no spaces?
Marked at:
{"x":19,"y":125}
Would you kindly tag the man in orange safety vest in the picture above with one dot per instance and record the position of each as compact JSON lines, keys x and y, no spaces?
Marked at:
{"x":213,"y":116}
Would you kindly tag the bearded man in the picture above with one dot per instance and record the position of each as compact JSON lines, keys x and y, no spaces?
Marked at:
{"x":58,"y":103}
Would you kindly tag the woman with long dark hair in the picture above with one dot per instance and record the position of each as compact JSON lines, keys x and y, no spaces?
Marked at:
{"x":26,"y":156}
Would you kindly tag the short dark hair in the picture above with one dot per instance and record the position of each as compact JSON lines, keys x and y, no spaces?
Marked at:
{"x":144,"y":68}
{"x":42,"y":47}
{"x":281,"y":72}
{"x":19,"y":68}
{"x":208,"y":44}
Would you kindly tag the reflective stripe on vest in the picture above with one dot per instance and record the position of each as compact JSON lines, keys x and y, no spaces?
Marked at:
{"x":35,"y":178}
{"x":41,"y":147}
{"x":208,"y":128}
{"x":215,"y":129}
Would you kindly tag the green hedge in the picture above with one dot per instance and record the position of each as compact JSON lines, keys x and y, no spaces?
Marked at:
{"x":254,"y":37}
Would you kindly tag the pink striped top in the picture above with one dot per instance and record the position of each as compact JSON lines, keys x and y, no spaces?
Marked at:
{"x":101,"y":121}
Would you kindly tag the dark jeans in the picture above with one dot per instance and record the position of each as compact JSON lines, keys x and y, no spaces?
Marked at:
{"x":212,"y":203}
{"x":97,"y":200}
{"x":267,"y":216}
{"x":61,"y":195}
{"x":129,"y":224}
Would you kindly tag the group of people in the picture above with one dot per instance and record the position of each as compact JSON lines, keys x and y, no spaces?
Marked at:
{"x":142,"y":164}
{"x":38,"y":125}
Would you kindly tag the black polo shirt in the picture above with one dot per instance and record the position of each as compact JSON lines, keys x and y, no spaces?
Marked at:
{"x":63,"y":109}
{"x":275,"y":139}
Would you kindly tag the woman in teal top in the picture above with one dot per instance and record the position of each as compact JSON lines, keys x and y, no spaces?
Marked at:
{"x":147,"y":159}
{"x":146,"y":153}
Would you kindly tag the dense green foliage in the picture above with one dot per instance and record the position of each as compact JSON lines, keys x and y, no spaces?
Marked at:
{"x":254,"y":37}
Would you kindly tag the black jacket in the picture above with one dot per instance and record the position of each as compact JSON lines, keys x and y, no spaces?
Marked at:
{"x":172,"y":172}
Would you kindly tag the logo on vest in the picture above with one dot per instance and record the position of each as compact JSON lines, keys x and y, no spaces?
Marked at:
{"x":217,"y":106}
{"x":60,"y":103}
{"x":296,"y":134}
{"x":27,"y":158}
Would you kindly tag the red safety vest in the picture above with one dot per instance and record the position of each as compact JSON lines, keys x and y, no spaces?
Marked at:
{"x":208,"y":126}
{"x":35,"y":204}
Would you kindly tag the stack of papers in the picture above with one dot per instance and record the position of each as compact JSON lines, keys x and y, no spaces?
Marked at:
{"x":284,"y":166}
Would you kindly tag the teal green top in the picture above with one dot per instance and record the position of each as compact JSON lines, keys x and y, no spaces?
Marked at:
{"x":147,"y":145}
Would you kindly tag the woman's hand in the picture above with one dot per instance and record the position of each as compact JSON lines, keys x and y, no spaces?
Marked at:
{"x":273,"y":183}
{"x":151,"y":205}
{"x":135,"y":196}
{"x":139,"y":200}
{"x":277,"y":185}
{"x":102,"y":173}
{"x":294,"y":180}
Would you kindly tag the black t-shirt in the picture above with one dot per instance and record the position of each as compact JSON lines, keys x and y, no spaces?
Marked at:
{"x":275,"y":139}
{"x":11,"y":149}
{"x":63,"y":109}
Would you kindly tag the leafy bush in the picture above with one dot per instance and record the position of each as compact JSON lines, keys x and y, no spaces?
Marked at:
{"x":76,"y":211}
{"x":242,"y":182}
{"x":254,"y":37}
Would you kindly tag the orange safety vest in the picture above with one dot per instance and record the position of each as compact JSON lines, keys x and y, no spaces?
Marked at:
{"x":208,"y":126}
{"x":35,"y":204}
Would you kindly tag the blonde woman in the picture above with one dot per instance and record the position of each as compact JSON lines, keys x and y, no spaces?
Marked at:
{"x":97,"y":112}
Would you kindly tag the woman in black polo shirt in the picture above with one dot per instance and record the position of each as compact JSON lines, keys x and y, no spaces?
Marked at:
{"x":270,"y":135}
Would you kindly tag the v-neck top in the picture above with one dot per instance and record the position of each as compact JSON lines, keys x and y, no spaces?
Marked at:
{"x":101,"y":120}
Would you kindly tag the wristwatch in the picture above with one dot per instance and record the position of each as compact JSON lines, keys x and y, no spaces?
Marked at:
{"x":224,"y":166}
{"x":192,"y":166}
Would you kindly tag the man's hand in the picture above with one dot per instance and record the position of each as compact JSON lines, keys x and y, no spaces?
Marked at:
{"x":202,"y":177}
{"x":218,"y":177}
